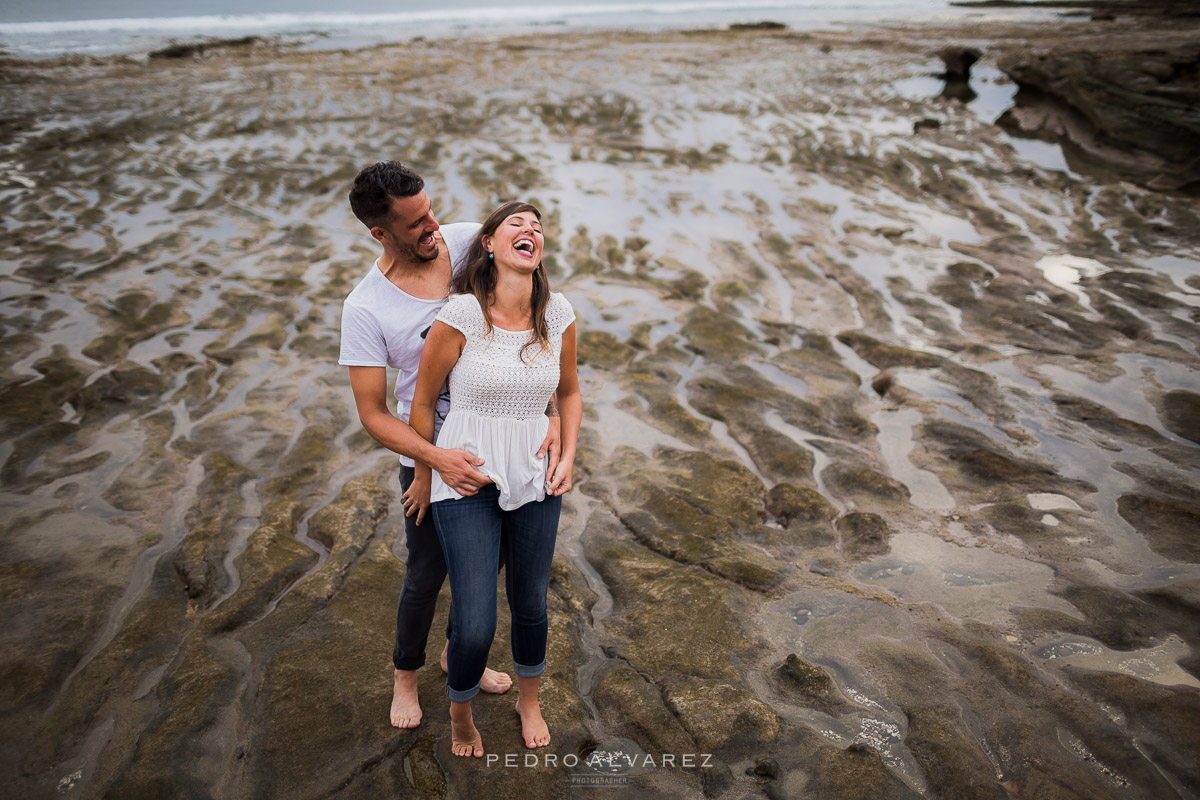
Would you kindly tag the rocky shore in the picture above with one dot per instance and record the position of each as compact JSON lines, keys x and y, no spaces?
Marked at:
{"x":891,"y":438}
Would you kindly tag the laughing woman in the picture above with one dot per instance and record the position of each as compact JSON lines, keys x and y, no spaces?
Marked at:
{"x":507,"y":345}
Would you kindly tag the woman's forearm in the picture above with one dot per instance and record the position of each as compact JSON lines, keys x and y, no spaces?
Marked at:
{"x":570,"y":408}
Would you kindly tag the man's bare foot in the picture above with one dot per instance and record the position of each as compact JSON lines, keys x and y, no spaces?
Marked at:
{"x":406,"y":710}
{"x":534,"y":730}
{"x":492,"y":682}
{"x":464,"y":738}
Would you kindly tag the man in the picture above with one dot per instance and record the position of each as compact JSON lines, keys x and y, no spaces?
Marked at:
{"x":384,"y":322}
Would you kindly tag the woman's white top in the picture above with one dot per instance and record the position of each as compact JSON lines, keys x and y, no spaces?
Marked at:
{"x":498,"y":401}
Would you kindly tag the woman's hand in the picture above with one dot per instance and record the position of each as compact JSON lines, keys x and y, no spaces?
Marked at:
{"x":416,"y":499}
{"x":561,"y":481}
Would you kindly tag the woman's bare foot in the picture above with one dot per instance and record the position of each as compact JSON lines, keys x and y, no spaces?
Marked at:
{"x":406,"y":709}
{"x":492,"y":682}
{"x":464,"y":738}
{"x":534,"y":730}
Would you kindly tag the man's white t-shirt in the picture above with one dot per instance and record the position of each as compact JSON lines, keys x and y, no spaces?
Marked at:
{"x":385,"y":326}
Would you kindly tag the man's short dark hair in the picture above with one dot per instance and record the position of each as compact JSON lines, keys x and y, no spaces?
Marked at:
{"x":376,"y":186}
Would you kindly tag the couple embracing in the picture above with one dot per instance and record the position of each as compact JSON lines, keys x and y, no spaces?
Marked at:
{"x":484,"y":465}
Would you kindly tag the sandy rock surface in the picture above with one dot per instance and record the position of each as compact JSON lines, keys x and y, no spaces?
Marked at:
{"x":887,"y":482}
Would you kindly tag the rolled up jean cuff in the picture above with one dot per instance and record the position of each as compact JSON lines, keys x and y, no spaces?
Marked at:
{"x":529,"y":672}
{"x":464,"y":696}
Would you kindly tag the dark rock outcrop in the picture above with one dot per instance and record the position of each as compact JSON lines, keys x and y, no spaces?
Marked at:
{"x":1133,"y":112}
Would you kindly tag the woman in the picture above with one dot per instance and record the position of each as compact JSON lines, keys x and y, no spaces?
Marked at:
{"x":507,"y":345}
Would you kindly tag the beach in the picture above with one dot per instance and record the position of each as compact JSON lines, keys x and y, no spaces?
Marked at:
{"x":887,"y":477}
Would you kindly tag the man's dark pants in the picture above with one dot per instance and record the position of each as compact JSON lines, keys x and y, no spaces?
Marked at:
{"x":424,"y":573}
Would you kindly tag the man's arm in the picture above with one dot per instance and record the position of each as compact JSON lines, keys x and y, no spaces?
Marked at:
{"x":551,"y":445}
{"x":369,"y":385}
{"x":457,"y":467}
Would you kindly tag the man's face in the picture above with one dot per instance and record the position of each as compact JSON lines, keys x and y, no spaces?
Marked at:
{"x":410,"y":229}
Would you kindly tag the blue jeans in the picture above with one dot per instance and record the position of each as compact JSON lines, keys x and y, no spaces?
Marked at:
{"x":476,"y":534}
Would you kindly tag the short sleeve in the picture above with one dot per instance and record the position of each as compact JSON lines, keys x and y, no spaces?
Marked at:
{"x":362,"y":339}
{"x":559,"y":314}
{"x":462,"y":313}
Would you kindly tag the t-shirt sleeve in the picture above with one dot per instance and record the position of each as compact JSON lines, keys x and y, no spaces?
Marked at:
{"x":559,"y":314}
{"x":363,"y":344}
{"x":462,"y":313}
{"x":458,"y":237}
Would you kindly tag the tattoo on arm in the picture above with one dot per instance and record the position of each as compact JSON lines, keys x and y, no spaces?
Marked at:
{"x":552,"y":409}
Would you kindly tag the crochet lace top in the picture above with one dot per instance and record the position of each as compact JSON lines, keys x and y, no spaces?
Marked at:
{"x":498,"y":400}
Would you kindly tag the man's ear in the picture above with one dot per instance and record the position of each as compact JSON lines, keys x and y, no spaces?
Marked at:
{"x":378,"y":234}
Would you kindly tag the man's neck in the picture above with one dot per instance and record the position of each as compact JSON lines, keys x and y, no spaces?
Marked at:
{"x":424,"y":279}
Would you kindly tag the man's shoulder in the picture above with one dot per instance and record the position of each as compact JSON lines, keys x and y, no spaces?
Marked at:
{"x":364,"y":290}
{"x":460,"y":229}
{"x":458,"y":236}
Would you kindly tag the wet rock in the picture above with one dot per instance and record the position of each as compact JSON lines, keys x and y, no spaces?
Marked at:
{"x":865,"y":486}
{"x":1104,"y":420}
{"x":123,"y":389}
{"x":193,"y":49}
{"x":797,"y":504}
{"x":825,"y":567}
{"x":1170,"y":526}
{"x":133,"y":317}
{"x":808,"y":684}
{"x":968,"y":752}
{"x":632,"y":706}
{"x":966,"y":460}
{"x":1012,"y":299}
{"x":660,"y":408}
{"x":882,"y":382}
{"x":926,"y":124}
{"x":855,"y":773}
{"x":31,"y":403}
{"x":691,"y":611}
{"x":673,"y":527}
{"x":958,"y":62}
{"x":1129,"y":110}
{"x":863,"y":535}
{"x":1181,"y":414}
{"x":1164,"y":718}
{"x":884,"y":355}
{"x":765,"y":25}
{"x":721,"y":716}
{"x":601,"y":349}
{"x":693,"y":653}
{"x":717,"y":337}
{"x":767,"y":768}
{"x":741,"y":398}
{"x":1117,"y":619}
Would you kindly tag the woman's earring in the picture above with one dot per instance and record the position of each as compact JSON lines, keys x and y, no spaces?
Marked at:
{"x":490,"y":257}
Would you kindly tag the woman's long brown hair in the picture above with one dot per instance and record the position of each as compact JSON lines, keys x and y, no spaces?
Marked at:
{"x":478,"y":277}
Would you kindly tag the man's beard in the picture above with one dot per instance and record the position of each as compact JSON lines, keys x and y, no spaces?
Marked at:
{"x":414,"y":254}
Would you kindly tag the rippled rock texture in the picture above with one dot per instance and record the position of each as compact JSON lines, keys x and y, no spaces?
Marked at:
{"x":887,"y":477}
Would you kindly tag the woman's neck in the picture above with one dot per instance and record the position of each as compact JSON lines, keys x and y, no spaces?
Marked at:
{"x":513,"y":297}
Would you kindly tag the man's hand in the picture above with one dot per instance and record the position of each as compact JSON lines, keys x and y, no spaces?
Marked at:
{"x":416,"y":499}
{"x":552,"y":445}
{"x":457,"y":468}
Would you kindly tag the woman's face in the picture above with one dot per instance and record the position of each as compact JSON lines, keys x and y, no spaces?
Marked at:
{"x":517,"y":243}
